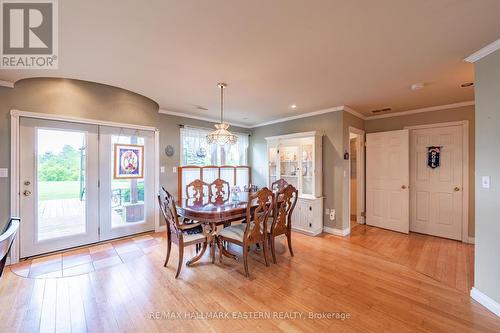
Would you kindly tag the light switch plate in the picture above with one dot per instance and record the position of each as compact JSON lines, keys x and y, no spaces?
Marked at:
{"x":485,"y":181}
{"x":4,"y":172}
{"x":174,"y":169}
{"x":162,"y":169}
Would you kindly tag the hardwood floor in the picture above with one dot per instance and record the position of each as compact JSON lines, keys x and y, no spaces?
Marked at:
{"x":327,"y":274}
{"x":445,"y":260}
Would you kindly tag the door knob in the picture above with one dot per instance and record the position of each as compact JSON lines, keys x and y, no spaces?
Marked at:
{"x":403,"y":187}
{"x":27,"y":193}
{"x":456,"y":189}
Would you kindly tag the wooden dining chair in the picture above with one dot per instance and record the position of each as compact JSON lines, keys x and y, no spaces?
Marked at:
{"x":253,"y":230}
{"x":6,"y":239}
{"x":183,"y":234}
{"x":220,"y":188}
{"x":197,"y":189}
{"x":281,"y":222}
{"x":278,"y":185}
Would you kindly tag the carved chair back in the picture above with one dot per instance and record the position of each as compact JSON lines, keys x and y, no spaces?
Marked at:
{"x":285,"y":202}
{"x":220,"y":188}
{"x":279,"y":185}
{"x":197,"y":189}
{"x":169,"y":211}
{"x":6,"y":240}
{"x":256,"y":220}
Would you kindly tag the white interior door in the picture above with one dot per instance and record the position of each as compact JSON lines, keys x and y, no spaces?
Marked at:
{"x":58,"y":184}
{"x":387,"y":180}
{"x":436,"y":195}
{"x":126,"y":204}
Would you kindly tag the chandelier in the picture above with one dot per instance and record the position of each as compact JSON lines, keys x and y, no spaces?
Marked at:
{"x":221,"y":135}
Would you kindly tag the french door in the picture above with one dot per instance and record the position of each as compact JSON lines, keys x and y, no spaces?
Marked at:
{"x":126,"y":204}
{"x":68,"y":192}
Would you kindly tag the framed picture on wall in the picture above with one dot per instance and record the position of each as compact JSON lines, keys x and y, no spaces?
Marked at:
{"x":128,"y":161}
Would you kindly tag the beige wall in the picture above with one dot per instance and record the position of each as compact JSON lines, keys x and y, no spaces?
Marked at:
{"x":334,"y":127}
{"x":442,"y":116}
{"x":88,"y":100}
{"x":487,"y":254}
{"x":330,"y":125}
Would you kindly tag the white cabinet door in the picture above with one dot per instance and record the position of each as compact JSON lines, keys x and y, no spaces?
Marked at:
{"x":387,"y":180}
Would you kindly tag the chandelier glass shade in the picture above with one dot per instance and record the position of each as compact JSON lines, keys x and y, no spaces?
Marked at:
{"x":222,"y":136}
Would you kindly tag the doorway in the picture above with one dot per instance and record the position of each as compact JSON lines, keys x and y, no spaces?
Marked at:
{"x":356,"y":177}
{"x":68,"y":193}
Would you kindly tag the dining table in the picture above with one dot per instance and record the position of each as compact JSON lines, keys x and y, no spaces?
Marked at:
{"x":214,"y":211}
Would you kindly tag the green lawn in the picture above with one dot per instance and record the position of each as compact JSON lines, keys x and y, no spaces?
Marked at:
{"x":58,"y":190}
{"x":68,"y":189}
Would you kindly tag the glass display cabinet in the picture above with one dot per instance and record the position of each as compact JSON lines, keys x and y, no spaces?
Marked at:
{"x":296,"y":158}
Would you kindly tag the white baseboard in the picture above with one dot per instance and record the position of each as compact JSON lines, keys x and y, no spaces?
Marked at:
{"x":337,"y":232}
{"x":470,"y":240}
{"x":307,"y":232}
{"x":161,"y":228}
{"x":485,"y":301}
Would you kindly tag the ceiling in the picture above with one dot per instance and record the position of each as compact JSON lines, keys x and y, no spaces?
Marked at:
{"x":315,"y":54}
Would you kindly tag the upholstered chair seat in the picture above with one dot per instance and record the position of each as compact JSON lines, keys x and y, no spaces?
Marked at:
{"x":235,"y":232}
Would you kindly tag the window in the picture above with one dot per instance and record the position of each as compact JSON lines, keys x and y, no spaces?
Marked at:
{"x":196,"y":151}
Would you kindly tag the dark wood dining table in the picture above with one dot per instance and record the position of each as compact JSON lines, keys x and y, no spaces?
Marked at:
{"x":214,"y":211}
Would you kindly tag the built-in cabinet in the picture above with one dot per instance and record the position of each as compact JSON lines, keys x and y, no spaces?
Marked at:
{"x":296,"y":158}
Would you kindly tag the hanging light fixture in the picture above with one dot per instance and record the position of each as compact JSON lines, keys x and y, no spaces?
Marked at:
{"x":221,"y":135}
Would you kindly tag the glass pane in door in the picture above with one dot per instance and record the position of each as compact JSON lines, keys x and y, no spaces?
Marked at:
{"x":61,"y":176}
{"x":273,"y":167}
{"x":289,"y":165}
{"x":307,"y":169}
{"x":127,"y":195}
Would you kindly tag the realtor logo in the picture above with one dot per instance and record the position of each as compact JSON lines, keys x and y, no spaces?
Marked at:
{"x":29,"y":34}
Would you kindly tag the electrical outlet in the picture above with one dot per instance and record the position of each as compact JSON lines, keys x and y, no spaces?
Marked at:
{"x":332,"y":215}
{"x":327,"y":211}
{"x":174,"y":169}
{"x":162,"y":169}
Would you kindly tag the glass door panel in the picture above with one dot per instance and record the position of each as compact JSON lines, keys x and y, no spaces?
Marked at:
{"x":58,"y":185}
{"x":127,"y":182}
{"x":289,"y":165}
{"x":307,"y":172}
{"x":273,"y":166}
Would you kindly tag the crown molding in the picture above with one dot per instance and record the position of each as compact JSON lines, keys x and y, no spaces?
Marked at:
{"x":355,"y":113}
{"x":299,"y":116}
{"x":488,"y":49}
{"x":422,"y":110}
{"x":6,"y":84}
{"x":190,"y":116}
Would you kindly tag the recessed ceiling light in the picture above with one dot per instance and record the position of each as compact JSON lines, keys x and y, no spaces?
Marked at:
{"x":417,"y":86}
{"x":293,"y":106}
{"x":467,"y":84}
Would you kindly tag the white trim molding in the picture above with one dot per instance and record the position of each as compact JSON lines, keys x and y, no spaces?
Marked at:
{"x":6,"y":84}
{"x":49,"y":116}
{"x":422,"y":110}
{"x":337,"y":232}
{"x":485,"y":301}
{"x":355,"y":113}
{"x":191,"y":116}
{"x":488,"y":49}
{"x":299,"y":116}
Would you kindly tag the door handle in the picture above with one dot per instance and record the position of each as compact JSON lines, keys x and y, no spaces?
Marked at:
{"x":456,"y":189}
{"x":27,"y":193}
